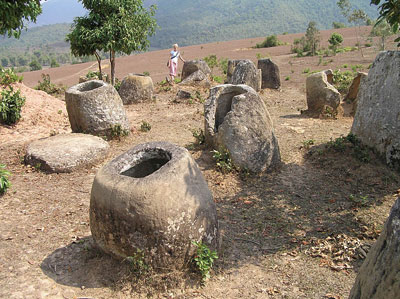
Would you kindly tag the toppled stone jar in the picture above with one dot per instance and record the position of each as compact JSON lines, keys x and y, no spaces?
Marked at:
{"x":153,"y":199}
{"x":237,"y":120}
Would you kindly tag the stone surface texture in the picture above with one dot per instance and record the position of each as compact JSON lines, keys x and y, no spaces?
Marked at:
{"x":377,"y":119}
{"x":246,"y":73}
{"x":270,"y":74}
{"x":355,"y":86}
{"x":66,"y":152}
{"x":153,"y":198}
{"x":95,"y":107}
{"x":192,"y":66}
{"x":379,"y":276}
{"x":237,"y":119}
{"x":320,"y":93}
{"x":136,"y":89}
{"x":231,"y":68}
{"x":195,"y":72}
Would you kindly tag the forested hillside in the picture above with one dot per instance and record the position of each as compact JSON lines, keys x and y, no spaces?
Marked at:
{"x":194,"y":22}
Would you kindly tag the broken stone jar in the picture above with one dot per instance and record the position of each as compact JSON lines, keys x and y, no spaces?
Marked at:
{"x":153,"y":199}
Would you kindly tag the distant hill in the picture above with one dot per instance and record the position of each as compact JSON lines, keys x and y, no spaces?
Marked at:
{"x":195,"y":22}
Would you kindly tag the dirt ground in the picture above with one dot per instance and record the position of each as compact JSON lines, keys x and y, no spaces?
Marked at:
{"x":298,"y":231}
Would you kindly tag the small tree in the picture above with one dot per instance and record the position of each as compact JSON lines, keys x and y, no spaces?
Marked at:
{"x":382,"y":30}
{"x":112,"y":26}
{"x":389,"y":10}
{"x":14,"y":14}
{"x":355,"y":16}
{"x":312,"y":37}
{"x":335,"y":40}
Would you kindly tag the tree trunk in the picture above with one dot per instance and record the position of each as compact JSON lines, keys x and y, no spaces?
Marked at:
{"x":112,"y":62}
{"x":99,"y":62}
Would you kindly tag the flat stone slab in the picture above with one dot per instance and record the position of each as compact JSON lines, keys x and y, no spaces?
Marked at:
{"x":66,"y":152}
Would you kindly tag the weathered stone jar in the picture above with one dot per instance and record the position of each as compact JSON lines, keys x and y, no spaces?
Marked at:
{"x":95,"y":107}
{"x":153,"y":198}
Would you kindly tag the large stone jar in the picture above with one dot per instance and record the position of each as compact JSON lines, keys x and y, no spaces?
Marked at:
{"x":136,"y":89}
{"x":153,"y":199}
{"x":94,"y":107}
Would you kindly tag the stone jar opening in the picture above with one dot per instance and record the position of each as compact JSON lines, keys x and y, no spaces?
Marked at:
{"x":90,"y":85}
{"x":146,"y":162}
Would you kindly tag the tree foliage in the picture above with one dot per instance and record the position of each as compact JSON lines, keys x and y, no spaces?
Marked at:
{"x":335,"y":40}
{"x":115,"y":26}
{"x":15,"y":14}
{"x":389,"y":10}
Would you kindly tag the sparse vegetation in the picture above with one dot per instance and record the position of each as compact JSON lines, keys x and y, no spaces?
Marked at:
{"x":48,"y":87}
{"x":137,"y":262}
{"x":116,"y":132}
{"x":4,"y":181}
{"x":204,"y":260}
{"x":198,"y":134}
{"x":145,"y":126}
{"x":223,"y":160}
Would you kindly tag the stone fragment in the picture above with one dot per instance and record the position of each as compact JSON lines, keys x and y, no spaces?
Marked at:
{"x":321,"y":94}
{"x":270,"y":74}
{"x":377,"y":119}
{"x":66,"y":152}
{"x":136,"y":89}
{"x":237,"y":119}
{"x":153,"y":200}
{"x":95,"y":107}
{"x":196,"y":72}
{"x":379,"y":275}
{"x":246,"y":73}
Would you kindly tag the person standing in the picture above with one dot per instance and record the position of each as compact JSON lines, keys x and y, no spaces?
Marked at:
{"x":173,"y":63}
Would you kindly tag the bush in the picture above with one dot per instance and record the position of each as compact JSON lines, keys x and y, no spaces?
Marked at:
{"x":10,"y":106}
{"x":342,"y":80}
{"x":35,"y":65}
{"x":211,"y":60}
{"x":204,"y":260}
{"x":8,"y":76}
{"x":49,"y":87}
{"x":223,"y":160}
{"x":4,"y":182}
{"x":335,"y":41}
{"x":270,"y":41}
{"x":145,"y":126}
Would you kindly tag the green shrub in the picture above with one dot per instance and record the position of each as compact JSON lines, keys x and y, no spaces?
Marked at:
{"x":4,"y":182}
{"x":218,"y":79}
{"x":145,"y":126}
{"x":116,"y":132}
{"x":223,"y":64}
{"x":117,"y":84}
{"x":8,"y":76}
{"x":287,"y":78}
{"x":270,"y":41}
{"x":10,"y":106}
{"x":35,"y":65}
{"x":223,"y":160}
{"x":306,"y":71}
{"x":146,"y":73}
{"x":204,"y":260}
{"x":198,"y":134}
{"x":211,"y":60}
{"x":342,"y":80}
{"x":49,"y":87}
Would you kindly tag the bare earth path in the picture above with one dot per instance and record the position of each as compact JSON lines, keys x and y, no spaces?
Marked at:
{"x":272,"y":223}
